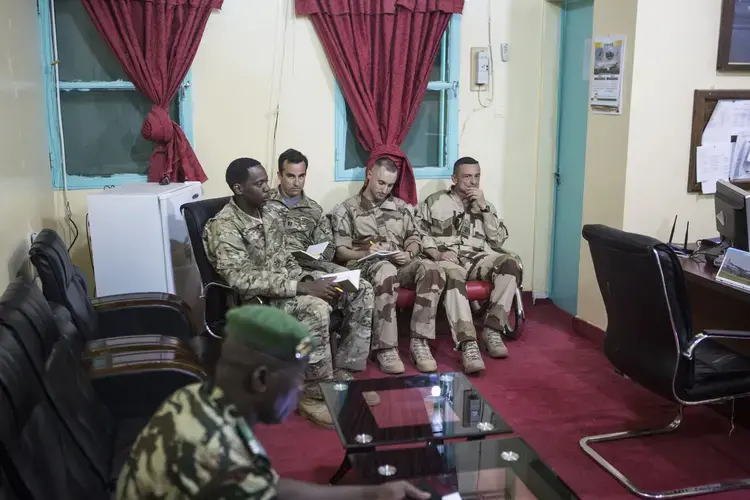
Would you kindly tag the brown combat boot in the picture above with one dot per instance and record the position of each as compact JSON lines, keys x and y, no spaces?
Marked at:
{"x":471,"y":357}
{"x":371,"y":397}
{"x":493,"y":343}
{"x":421,"y":356}
{"x":315,"y":411}
{"x":389,"y":361}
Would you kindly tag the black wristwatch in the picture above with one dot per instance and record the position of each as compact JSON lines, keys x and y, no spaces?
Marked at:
{"x":411,"y":254}
{"x":485,"y":210}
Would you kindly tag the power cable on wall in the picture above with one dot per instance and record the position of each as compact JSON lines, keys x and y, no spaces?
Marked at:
{"x":491,"y":86}
{"x":275,"y":104}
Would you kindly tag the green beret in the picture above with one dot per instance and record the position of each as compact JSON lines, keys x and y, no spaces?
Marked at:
{"x":271,"y":331}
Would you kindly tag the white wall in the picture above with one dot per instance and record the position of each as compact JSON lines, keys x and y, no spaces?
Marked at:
{"x":239,"y":76}
{"x":673,"y":59}
{"x":26,"y":200}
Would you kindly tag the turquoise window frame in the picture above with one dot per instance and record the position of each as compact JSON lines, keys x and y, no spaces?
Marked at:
{"x":51,"y":91}
{"x":450,"y":71}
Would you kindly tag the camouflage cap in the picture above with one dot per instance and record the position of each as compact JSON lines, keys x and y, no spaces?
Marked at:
{"x":270,"y":331}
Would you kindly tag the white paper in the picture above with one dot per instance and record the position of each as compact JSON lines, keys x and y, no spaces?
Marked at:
{"x":730,"y":118}
{"x":708,"y":187}
{"x":352,"y":276}
{"x":712,"y":161}
{"x":452,"y":496}
{"x":605,"y":94}
{"x":740,"y":166}
{"x":313,"y":251}
{"x":377,"y":255}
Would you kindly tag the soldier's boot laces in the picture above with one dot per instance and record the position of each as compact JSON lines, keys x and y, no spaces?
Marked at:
{"x":389,"y":361}
{"x":421,"y":356}
{"x":371,"y":397}
{"x":471,"y":357}
{"x":493,"y":343}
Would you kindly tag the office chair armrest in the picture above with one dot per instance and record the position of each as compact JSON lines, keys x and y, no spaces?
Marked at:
{"x":714,"y":334}
{"x":144,"y":314}
{"x":135,"y":384}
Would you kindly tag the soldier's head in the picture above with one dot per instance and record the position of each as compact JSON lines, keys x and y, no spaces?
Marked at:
{"x":262,"y":362}
{"x":292,"y":172}
{"x":248,"y":181}
{"x":380,"y":179}
{"x":466,"y":174}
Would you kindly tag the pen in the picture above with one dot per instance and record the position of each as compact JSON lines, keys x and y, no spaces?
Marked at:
{"x":339,"y":290}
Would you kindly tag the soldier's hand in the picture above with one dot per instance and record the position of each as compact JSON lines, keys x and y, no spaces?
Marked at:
{"x":449,"y":257}
{"x":323,"y":288}
{"x":477,"y":196}
{"x":401,"y":258}
{"x":400,"y":490}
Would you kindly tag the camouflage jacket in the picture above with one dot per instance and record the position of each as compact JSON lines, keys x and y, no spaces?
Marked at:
{"x":358,"y":222}
{"x":305,"y":224}
{"x":196,"y":446}
{"x":449,"y":225}
{"x":250,"y":253}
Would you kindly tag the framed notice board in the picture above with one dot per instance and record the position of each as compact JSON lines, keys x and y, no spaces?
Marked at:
{"x":704,"y":104}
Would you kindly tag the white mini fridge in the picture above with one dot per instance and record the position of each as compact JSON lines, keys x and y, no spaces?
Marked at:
{"x":139,"y":241}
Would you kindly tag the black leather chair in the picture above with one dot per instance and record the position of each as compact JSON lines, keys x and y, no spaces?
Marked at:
{"x":216,"y":294}
{"x":650,"y":339}
{"x":130,"y":321}
{"x":90,"y":417}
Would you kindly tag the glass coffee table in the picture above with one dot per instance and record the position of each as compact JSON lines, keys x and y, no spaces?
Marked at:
{"x":427,"y":408}
{"x":491,"y":468}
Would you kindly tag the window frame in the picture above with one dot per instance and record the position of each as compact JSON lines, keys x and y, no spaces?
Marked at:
{"x":52,"y":90}
{"x":450,"y":85}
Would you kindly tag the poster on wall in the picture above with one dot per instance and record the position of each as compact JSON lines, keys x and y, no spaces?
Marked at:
{"x":606,"y":83}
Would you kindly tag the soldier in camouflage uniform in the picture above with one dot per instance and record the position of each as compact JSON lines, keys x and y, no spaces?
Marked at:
{"x":200,"y":444}
{"x":305,"y":224}
{"x":245,"y":244}
{"x":465,"y":236}
{"x":375,"y":221}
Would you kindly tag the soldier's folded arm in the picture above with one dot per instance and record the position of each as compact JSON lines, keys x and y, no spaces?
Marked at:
{"x":342,"y":236}
{"x":413,"y":240}
{"x":494,"y":230}
{"x":234,"y":265}
{"x":323,"y":233}
{"x":429,"y":245}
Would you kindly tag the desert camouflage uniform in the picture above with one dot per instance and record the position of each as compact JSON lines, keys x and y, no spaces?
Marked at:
{"x":477,"y":239}
{"x":357,"y":223}
{"x":251,"y":255}
{"x":305,"y":225}
{"x":197,"y":446}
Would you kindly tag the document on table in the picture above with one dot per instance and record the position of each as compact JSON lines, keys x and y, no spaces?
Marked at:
{"x":712,"y":163}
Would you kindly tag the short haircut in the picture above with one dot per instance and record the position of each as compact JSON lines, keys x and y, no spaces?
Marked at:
{"x":464,"y":160}
{"x":386,"y":163}
{"x":237,"y":171}
{"x":292,"y":156}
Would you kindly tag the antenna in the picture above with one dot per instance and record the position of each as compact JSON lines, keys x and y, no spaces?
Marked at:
{"x":671,"y":234}
{"x":687,"y":229}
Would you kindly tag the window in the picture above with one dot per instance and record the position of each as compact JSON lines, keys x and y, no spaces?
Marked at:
{"x":432,"y":142}
{"x":94,"y":113}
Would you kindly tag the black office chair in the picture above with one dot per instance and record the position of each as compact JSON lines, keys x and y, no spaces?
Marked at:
{"x":216,"y":294}
{"x":650,"y":340}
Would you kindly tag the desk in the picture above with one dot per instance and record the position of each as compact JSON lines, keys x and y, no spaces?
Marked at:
{"x":714,"y":305}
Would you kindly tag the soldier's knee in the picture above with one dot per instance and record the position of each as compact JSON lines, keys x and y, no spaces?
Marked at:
{"x":385,"y":277}
{"x":316,"y":309}
{"x":431,"y":272}
{"x":511,"y":266}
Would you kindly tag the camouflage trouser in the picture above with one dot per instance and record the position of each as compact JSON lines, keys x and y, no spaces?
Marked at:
{"x":425,"y":277}
{"x":315,"y":314}
{"x":504,"y":272}
{"x":456,"y":303}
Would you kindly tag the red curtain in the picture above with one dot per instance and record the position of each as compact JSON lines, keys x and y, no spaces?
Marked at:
{"x":156,"y":41}
{"x":381,"y":52}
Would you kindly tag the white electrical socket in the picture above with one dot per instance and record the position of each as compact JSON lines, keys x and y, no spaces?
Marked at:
{"x":504,"y":52}
{"x":32,"y":237}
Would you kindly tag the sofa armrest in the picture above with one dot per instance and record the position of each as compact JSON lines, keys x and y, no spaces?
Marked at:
{"x":135,"y":384}
{"x":714,"y":334}
{"x":144,"y":314}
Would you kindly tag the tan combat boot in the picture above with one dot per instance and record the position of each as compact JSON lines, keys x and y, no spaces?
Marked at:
{"x":389,"y":361}
{"x":471,"y":357}
{"x":493,"y":343}
{"x":315,"y":411}
{"x":421,"y":356}
{"x":371,"y":397}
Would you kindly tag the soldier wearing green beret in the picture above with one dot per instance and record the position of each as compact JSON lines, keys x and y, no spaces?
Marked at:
{"x":200,"y":445}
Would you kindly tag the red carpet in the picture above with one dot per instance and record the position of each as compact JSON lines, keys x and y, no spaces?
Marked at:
{"x":554,"y":389}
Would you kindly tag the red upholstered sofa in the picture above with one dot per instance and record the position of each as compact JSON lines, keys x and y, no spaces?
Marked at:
{"x":477,"y":290}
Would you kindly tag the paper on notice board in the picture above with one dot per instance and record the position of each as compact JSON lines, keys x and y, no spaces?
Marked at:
{"x":713,"y":161}
{"x":730,"y":118}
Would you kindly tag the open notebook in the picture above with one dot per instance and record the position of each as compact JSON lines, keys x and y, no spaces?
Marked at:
{"x":347,"y":281}
{"x":377,"y":255}
{"x":313,"y":252}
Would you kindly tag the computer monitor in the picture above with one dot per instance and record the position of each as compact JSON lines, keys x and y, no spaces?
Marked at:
{"x":732,"y":205}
